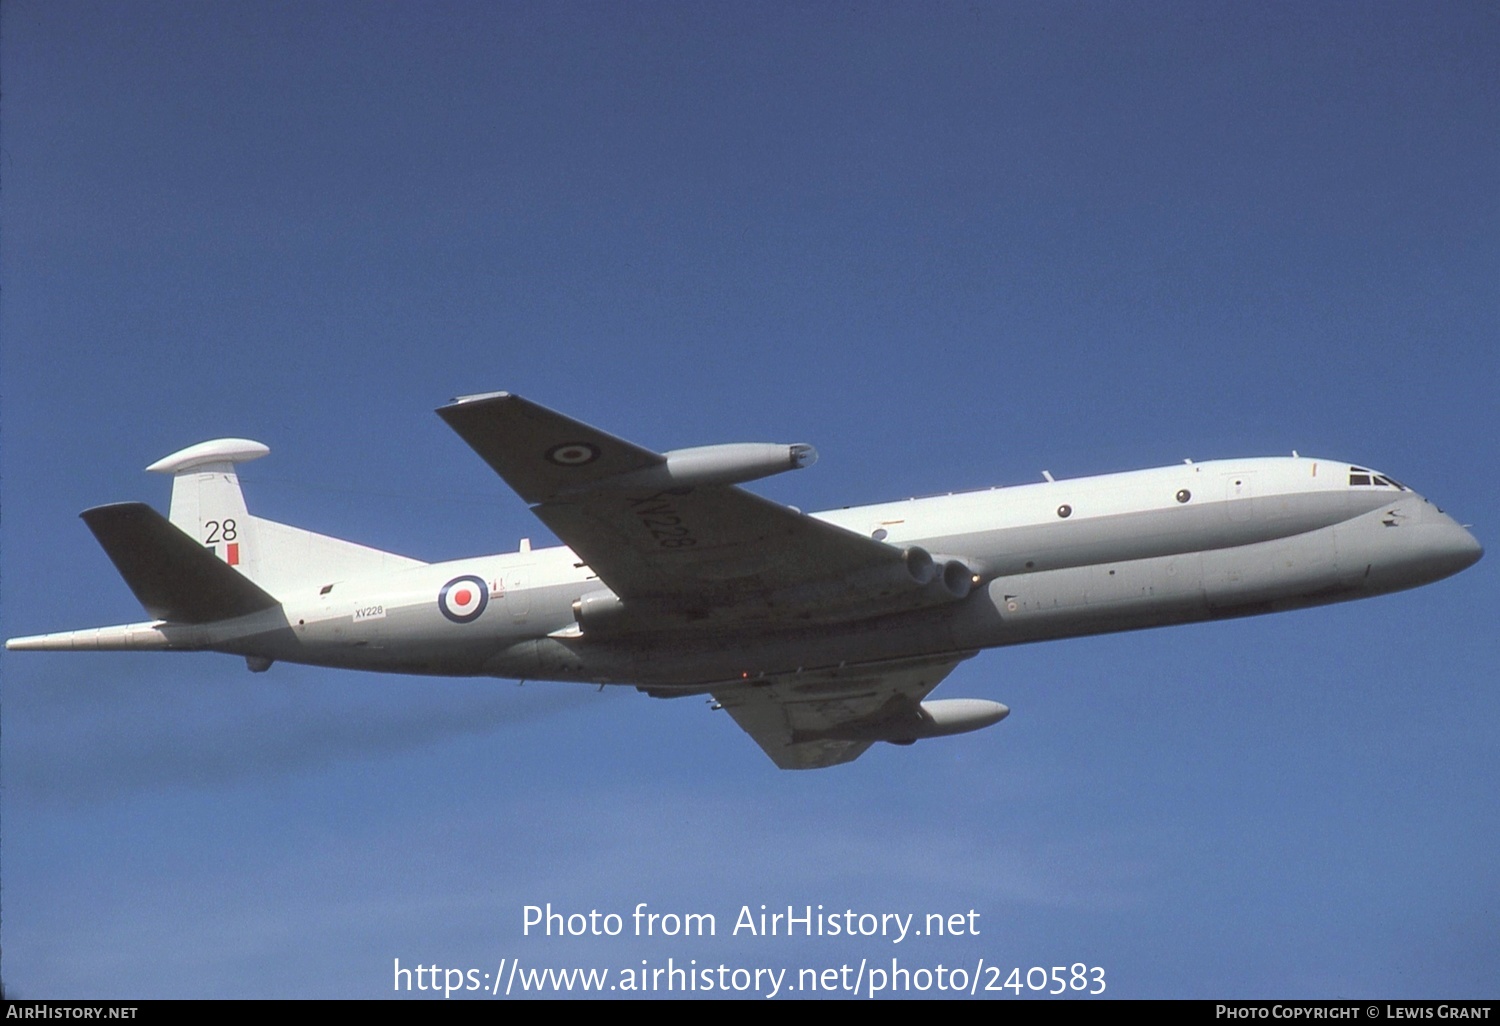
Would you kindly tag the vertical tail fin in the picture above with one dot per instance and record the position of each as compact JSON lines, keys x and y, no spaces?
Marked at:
{"x":207,"y":504}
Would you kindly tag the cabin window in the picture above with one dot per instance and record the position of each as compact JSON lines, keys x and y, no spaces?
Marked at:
{"x":878,"y":534}
{"x":1184,"y":495}
{"x":1065,"y":511}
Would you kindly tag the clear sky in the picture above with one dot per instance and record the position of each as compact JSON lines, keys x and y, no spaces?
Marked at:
{"x":951,"y":245}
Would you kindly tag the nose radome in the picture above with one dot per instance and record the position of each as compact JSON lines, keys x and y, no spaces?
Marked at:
{"x":1453,"y":547}
{"x":1469,"y":548}
{"x":1432,"y":545}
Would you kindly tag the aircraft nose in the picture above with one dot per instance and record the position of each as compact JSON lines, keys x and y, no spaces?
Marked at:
{"x":1467,"y":549}
{"x":1450,"y":546}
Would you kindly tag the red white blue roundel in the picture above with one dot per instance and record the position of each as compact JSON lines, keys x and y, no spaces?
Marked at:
{"x":573,"y":454}
{"x":464,"y":598}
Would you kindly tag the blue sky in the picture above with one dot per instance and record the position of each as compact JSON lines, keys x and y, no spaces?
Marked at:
{"x":950,"y":245}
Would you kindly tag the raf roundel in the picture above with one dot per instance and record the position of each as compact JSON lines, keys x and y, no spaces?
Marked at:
{"x":464,"y":598}
{"x":573,"y":454}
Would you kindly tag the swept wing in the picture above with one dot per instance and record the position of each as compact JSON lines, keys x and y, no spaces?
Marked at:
{"x":669,"y":533}
{"x":675,"y":541}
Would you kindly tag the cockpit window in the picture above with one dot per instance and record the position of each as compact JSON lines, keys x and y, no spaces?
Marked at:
{"x":1368,"y":478}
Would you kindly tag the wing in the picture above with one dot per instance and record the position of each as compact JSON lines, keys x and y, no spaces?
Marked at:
{"x":669,"y":533}
{"x":812,"y":720}
{"x":539,"y":453}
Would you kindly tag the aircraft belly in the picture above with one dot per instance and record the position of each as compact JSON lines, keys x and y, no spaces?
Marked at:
{"x":1087,"y":600}
{"x":1362,"y":556}
{"x":1278,"y":574}
{"x":410,"y":630}
{"x":1289,"y":570}
{"x":685,"y":660}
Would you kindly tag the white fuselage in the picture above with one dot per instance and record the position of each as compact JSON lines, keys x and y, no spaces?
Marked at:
{"x":1055,"y":559}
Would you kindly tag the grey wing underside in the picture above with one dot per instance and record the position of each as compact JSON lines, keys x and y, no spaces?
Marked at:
{"x":825,"y":717}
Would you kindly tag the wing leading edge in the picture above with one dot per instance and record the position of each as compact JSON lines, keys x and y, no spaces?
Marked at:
{"x":670,"y":533}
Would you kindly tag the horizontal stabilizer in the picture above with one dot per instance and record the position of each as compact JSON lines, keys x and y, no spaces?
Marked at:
{"x":174,"y":577}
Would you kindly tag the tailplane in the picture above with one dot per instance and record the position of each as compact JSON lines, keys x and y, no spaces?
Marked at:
{"x":208,"y":561}
{"x":174,"y":578}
